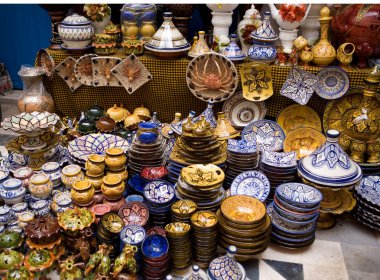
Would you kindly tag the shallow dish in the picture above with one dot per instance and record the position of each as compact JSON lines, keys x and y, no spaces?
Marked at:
{"x":112,"y":222}
{"x":251,"y":183}
{"x":287,"y":206}
{"x":155,"y":246}
{"x":132,"y":234}
{"x":281,"y":160}
{"x":154,"y":172}
{"x":134,"y":213}
{"x":204,"y":219}
{"x":369,"y":189}
{"x":299,"y":194}
{"x":158,"y":192}
{"x":333,"y":83}
{"x":183,"y":207}
{"x":241,"y":147}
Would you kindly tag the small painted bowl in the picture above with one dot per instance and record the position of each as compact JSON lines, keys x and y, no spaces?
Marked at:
{"x":24,"y":174}
{"x":159,"y":192}
{"x":299,"y":195}
{"x":133,"y":235}
{"x":134,"y":213}
{"x":155,"y":246}
{"x":204,"y":220}
{"x":177,"y":229}
{"x":24,"y":218}
{"x":62,"y":198}
{"x":100,"y":210}
{"x":19,"y":208}
{"x":5,"y":214}
{"x":112,"y":223}
{"x":40,"y":207}
{"x":147,"y":137}
{"x":53,"y":169}
{"x":154,"y":172}
{"x":184,"y":207}
{"x":134,"y":197}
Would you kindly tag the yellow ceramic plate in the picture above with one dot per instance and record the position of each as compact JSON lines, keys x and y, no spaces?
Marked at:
{"x":256,"y":80}
{"x":296,"y":115}
{"x":177,"y":228}
{"x":204,"y":219}
{"x":243,"y":209}
{"x":184,"y":207}
{"x":303,"y":141}
{"x":200,"y":175}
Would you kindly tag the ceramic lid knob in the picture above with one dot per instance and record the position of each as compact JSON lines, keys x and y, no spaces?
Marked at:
{"x":195,"y":269}
{"x":231,"y":251}
{"x":171,"y":133}
{"x":168,"y":15}
{"x":332,"y":135}
{"x":325,"y":12}
{"x":267,"y":15}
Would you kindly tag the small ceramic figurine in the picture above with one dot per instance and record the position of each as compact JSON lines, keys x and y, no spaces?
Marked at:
{"x":125,"y":260}
{"x":69,"y":270}
{"x":99,"y":261}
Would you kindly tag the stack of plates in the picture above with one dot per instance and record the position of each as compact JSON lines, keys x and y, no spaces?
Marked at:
{"x":241,"y":156}
{"x":202,"y":184}
{"x":182,"y":210}
{"x":279,"y":168}
{"x":179,"y":238}
{"x":156,"y":258}
{"x":294,"y":214}
{"x":133,"y":235}
{"x":205,"y":231}
{"x":244,"y":223}
{"x":141,"y":155}
{"x":159,"y":196}
{"x":367,"y":195}
{"x":251,"y":183}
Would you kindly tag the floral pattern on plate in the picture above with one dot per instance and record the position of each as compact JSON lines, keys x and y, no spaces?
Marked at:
{"x":241,"y":146}
{"x":333,"y":83}
{"x":134,"y":213}
{"x":299,"y":86}
{"x":268,"y":134}
{"x":276,"y":159}
{"x":132,"y":234}
{"x":299,"y":193}
{"x":159,"y":191}
{"x":251,"y":183}
{"x":369,"y":189}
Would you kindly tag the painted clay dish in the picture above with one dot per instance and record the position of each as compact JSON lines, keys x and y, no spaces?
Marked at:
{"x":47,"y":63}
{"x":154,"y":172}
{"x":134,"y":213}
{"x":241,"y":146}
{"x":333,"y":83}
{"x":177,"y":229}
{"x":83,"y":69}
{"x":279,"y":160}
{"x":212,"y":77}
{"x":241,"y":111}
{"x":303,"y":141}
{"x":242,"y":209}
{"x":251,"y":183}
{"x":159,"y":192}
{"x":10,"y":240}
{"x":299,"y":194}
{"x":184,"y":207}
{"x":256,"y":80}
{"x":76,"y":219}
{"x":156,"y":230}
{"x":202,"y":176}
{"x":133,"y":234}
{"x":155,"y":246}
{"x":26,"y":123}
{"x":10,"y":259}
{"x":102,"y":71}
{"x":112,"y":222}
{"x":66,"y":71}
{"x":131,"y":73}
{"x":369,"y":189}
{"x":39,"y":260}
{"x":204,"y":219}
{"x":295,"y":116}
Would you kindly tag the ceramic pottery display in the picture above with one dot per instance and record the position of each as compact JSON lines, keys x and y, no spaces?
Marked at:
{"x":256,"y":81}
{"x":131,"y":73}
{"x":104,"y":44}
{"x":135,"y":47}
{"x":70,"y":174}
{"x":167,"y":42}
{"x":251,"y":183}
{"x":178,"y":235}
{"x":19,"y":273}
{"x":241,"y":111}
{"x":43,"y":232}
{"x":109,"y":228}
{"x":131,"y":237}
{"x":32,"y":126}
{"x":251,"y":21}
{"x":112,"y":187}
{"x":53,"y":170}
{"x":118,"y":114}
{"x":82,"y":193}
{"x":205,"y":232}
{"x":368,"y":202}
{"x":297,"y":116}
{"x":156,"y":257}
{"x":76,"y":219}
{"x":323,"y":52}
{"x":212,"y":77}
{"x":66,"y":71}
{"x":232,"y":51}
{"x":182,"y":210}
{"x":100,"y":261}
{"x":243,"y":223}
{"x":76,"y":32}
{"x":226,"y":267}
{"x":10,"y":240}
{"x":268,"y":135}
{"x":221,"y":18}
{"x":61,"y":202}
{"x":39,"y":260}
{"x":224,"y":129}
{"x":200,"y":46}
{"x":12,"y":191}
{"x":46,"y":62}
{"x":40,"y":186}
{"x":134,"y":213}
{"x":333,"y":83}
{"x":10,"y":259}
{"x":34,"y":96}
{"x":83,"y":69}
{"x":263,"y":49}
{"x":95,"y":165}
{"x":115,"y":158}
{"x":345,"y":53}
{"x":102,"y":71}
{"x":356,"y":116}
{"x":299,"y":86}
{"x":105,"y":124}
{"x":177,"y":123}
{"x":303,"y":141}
{"x":154,"y":172}
{"x":142,"y":112}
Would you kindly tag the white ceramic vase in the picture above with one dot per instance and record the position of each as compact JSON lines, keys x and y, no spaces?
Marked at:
{"x":310,"y":26}
{"x":221,"y":18}
{"x":99,"y":26}
{"x":287,"y":38}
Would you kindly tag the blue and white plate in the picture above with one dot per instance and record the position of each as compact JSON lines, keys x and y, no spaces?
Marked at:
{"x":269,"y":135}
{"x":241,"y":146}
{"x":159,"y":192}
{"x":295,"y":208}
{"x":369,"y":189}
{"x":251,"y":183}
{"x":11,"y":184}
{"x":333,"y":83}
{"x":299,"y":194}
{"x":282,"y":160}
{"x":132,"y":234}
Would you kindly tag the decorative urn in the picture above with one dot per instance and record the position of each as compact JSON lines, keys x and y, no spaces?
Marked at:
{"x":76,"y":31}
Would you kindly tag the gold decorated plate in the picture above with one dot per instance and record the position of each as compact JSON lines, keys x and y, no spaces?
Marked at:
{"x":303,"y":141}
{"x":183,"y":207}
{"x":204,"y":219}
{"x":256,"y":80}
{"x":296,"y":115}
{"x":177,"y":229}
{"x":200,"y":175}
{"x":243,"y":209}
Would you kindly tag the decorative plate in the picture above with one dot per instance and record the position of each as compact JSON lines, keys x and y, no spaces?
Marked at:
{"x":159,"y":191}
{"x":281,"y":160}
{"x":45,"y":61}
{"x":369,"y":189}
{"x":134,"y":213}
{"x":241,"y":146}
{"x":66,"y":71}
{"x":256,"y":80}
{"x":89,"y":144}
{"x":295,"y":116}
{"x":155,"y":246}
{"x":212,"y":77}
{"x":101,"y":71}
{"x":204,"y":219}
{"x":299,"y":194}
{"x":131,"y":73}
{"x":241,"y":111}
{"x":303,"y":141}
{"x":251,"y":183}
{"x":83,"y":69}
{"x":268,"y":134}
{"x":33,"y":122}
{"x":299,"y":86}
{"x":203,"y":176}
{"x":154,"y":172}
{"x":183,"y":207}
{"x":333,"y":83}
{"x":132,"y":234}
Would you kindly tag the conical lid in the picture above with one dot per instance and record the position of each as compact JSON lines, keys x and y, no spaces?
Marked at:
{"x":233,"y":51}
{"x":224,"y":129}
{"x":167,"y":38}
{"x":225,"y":267}
{"x":329,"y":165}
{"x":200,"y":46}
{"x":265,"y":32}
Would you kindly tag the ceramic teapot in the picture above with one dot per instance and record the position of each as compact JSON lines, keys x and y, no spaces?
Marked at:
{"x":282,"y":15}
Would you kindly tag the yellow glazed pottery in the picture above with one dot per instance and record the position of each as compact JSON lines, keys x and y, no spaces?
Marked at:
{"x":323,"y":52}
{"x":96,"y":181}
{"x":142,"y":112}
{"x":204,"y":219}
{"x":82,"y":193}
{"x":40,"y":186}
{"x":300,"y":43}
{"x":345,"y":53}
{"x":95,"y":165}
{"x":115,"y":158}
{"x":112,"y":187}
{"x":122,"y":172}
{"x":256,"y":81}
{"x":131,"y":121}
{"x":203,"y":176}
{"x":118,"y":114}
{"x":183,"y":207}
{"x":70,"y":174}
{"x":224,"y":129}
{"x":306,"y":56}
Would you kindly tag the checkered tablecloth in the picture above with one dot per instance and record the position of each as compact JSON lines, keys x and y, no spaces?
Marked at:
{"x":167,"y":93}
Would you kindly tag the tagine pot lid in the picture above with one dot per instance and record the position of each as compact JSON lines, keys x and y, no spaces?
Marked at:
{"x":265,"y":32}
{"x":329,"y":165}
{"x":225,"y":267}
{"x":75,"y":20}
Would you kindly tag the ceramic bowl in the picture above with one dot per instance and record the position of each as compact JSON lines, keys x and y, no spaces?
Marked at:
{"x":40,"y":207}
{"x":287,"y":206}
{"x":154,"y":172}
{"x":137,"y":183}
{"x":134,"y":198}
{"x":294,"y":216}
{"x":177,"y":229}
{"x":159,"y":192}
{"x":279,"y":160}
{"x":298,"y":194}
{"x":183,"y":207}
{"x":204,"y":220}
{"x":132,"y":234}
{"x":155,"y":246}
{"x":241,"y":146}
{"x":19,"y":208}
{"x":134,"y":213}
{"x":289,"y":220}
{"x":251,"y":183}
{"x":112,"y":223}
{"x":62,"y":198}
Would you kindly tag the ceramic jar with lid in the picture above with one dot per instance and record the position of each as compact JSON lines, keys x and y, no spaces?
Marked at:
{"x":112,"y":187}
{"x":24,"y":174}
{"x":40,"y":186}
{"x":106,"y":124}
{"x":226,"y":267}
{"x":142,"y":112}
{"x":95,"y":112}
{"x":40,"y":207}
{"x":95,"y":180}
{"x":54,"y":171}
{"x":12,"y":191}
{"x":86,"y":125}
{"x":95,"y":165}
{"x":82,"y":193}
{"x":115,"y":158}
{"x":76,"y":31}
{"x":61,"y":202}
{"x":70,"y":174}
